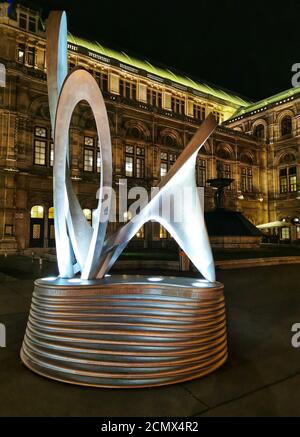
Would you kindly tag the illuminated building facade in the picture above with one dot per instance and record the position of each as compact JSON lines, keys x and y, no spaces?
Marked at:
{"x":153,"y":113}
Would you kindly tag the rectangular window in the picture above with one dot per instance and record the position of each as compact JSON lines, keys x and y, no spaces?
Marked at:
{"x":217,"y":115}
{"x":199,"y":112}
{"x":293,"y":179}
{"x":128,"y":89}
{"x":98,"y":162}
{"x":283,"y":180}
{"x":23,"y":21}
{"x":102,"y":80}
{"x":51,"y":157}
{"x":178,"y":105}
{"x":201,"y":167}
{"x":31,"y":56}
{"x":89,"y":141}
{"x":283,"y":185}
{"x":36,"y":231}
{"x":88,"y":160}
{"x":129,"y":166}
{"x":40,"y":132}
{"x":246,"y":180}
{"x":21,"y":53}
{"x":285,"y":233}
{"x":163,"y":169}
{"x":129,"y":149}
{"x":52,"y":232}
{"x":32,"y":25}
{"x":140,"y":151}
{"x":223,"y":170}
{"x":154,"y":97}
{"x":288,"y":180}
{"x":8,"y":230}
{"x":140,"y":168}
{"x":293,"y":184}
{"x":40,"y":152}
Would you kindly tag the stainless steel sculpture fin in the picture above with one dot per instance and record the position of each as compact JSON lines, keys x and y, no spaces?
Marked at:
{"x":79,"y":246}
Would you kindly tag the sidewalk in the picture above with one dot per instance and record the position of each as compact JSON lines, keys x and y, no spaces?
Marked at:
{"x":261,"y":377}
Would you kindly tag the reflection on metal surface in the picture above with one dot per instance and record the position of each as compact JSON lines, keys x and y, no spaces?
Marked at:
{"x":75,"y":238}
{"x":126,"y":334}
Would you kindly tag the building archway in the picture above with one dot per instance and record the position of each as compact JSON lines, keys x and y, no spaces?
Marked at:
{"x":37,"y":224}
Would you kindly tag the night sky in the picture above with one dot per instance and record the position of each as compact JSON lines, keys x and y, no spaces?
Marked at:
{"x":245,"y":46}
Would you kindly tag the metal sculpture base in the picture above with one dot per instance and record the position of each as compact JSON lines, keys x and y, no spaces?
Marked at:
{"x":125,"y":331}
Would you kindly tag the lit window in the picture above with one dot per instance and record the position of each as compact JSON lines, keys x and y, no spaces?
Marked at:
{"x":40,"y":152}
{"x":89,"y":141}
{"x":140,"y":151}
{"x":37,"y":211}
{"x":98,"y":161}
{"x":127,"y":216}
{"x":51,"y":157}
{"x":163,"y":234}
{"x":129,"y":166}
{"x":40,"y":132}
{"x":21,"y":53}
{"x":43,"y":147}
{"x":140,"y":170}
{"x":285,"y":233}
{"x":163,"y":169}
{"x":88,"y":160}
{"x":288,"y":180}
{"x":51,"y":213}
{"x":246,"y":179}
{"x":140,"y":234}
{"x":129,"y":149}
{"x":88,"y":215}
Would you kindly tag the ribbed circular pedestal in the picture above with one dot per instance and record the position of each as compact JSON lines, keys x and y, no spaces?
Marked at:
{"x":126,"y":331}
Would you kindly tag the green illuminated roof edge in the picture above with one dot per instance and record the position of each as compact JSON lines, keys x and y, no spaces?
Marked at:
{"x":265,"y":102}
{"x":160,"y":72}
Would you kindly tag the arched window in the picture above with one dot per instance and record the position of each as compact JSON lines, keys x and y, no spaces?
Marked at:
{"x":37,"y":226}
{"x":37,"y":211}
{"x":286,"y":126}
{"x":169,"y":141}
{"x":135,"y":133}
{"x":259,"y":131}
{"x":140,"y":235}
{"x":51,"y":213}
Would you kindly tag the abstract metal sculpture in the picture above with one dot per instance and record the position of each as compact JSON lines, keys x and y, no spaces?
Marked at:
{"x":94,"y":258}
{"x":119,"y":332}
